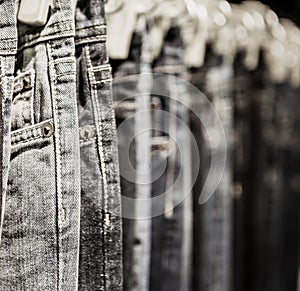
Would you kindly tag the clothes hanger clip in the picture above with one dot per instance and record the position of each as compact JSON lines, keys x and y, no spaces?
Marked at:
{"x":145,"y":6}
{"x":121,"y":20}
{"x":257,"y":29}
{"x":35,"y":12}
{"x":194,"y":32}
{"x":112,"y":6}
{"x":161,"y":18}
{"x":230,"y":37}
{"x":74,"y":5}
{"x":275,"y":58}
{"x":293,"y":50}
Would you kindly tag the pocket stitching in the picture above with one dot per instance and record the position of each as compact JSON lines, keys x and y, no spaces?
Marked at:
{"x":20,"y":92}
{"x":29,"y":132}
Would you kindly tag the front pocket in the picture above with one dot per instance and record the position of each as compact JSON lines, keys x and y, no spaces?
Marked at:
{"x":6,"y":84}
{"x":22,"y":102}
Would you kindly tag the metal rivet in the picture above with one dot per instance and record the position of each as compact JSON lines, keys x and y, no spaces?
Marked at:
{"x":47,"y":129}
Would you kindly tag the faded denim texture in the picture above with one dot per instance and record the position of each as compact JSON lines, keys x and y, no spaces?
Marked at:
{"x":40,"y":241}
{"x":8,"y":47}
{"x":100,"y":225}
{"x":40,"y":125}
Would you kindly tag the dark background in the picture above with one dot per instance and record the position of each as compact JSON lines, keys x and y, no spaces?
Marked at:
{"x":288,"y":8}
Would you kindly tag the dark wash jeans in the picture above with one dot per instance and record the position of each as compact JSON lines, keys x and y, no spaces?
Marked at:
{"x":100,"y":257}
{"x":266,"y":242}
{"x":40,"y":238}
{"x":213,"y":220}
{"x":172,"y":234}
{"x":136,"y":243}
{"x":121,"y":69}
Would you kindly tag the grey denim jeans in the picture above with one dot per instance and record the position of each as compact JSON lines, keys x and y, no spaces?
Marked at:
{"x":8,"y":47}
{"x":100,"y":258}
{"x":125,"y":107}
{"x":40,"y":239}
{"x":61,"y":215}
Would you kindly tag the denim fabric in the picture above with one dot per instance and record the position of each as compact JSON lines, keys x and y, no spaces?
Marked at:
{"x":267,"y":194}
{"x":124,"y":110}
{"x":219,"y":208}
{"x":100,"y":224}
{"x":241,"y":163}
{"x":143,"y":136}
{"x":137,"y":233}
{"x":130,"y":103}
{"x":171,"y":232}
{"x":40,"y":245}
{"x":171,"y":236}
{"x":212,"y":221}
{"x":8,"y":47}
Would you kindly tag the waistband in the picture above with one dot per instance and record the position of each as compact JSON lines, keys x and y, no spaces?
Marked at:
{"x":8,"y":30}
{"x":89,"y":19}
{"x":90,"y":22}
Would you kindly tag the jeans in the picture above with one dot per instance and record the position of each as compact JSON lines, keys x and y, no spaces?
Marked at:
{"x":100,"y":257}
{"x":172,"y":231}
{"x":8,"y":47}
{"x":213,"y":219}
{"x":40,"y":239}
{"x":125,"y":108}
{"x":241,"y":164}
{"x":156,"y":250}
{"x":267,"y":203}
{"x":61,"y":215}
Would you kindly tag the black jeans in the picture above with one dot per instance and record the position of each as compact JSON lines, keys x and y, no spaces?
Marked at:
{"x":266,"y":192}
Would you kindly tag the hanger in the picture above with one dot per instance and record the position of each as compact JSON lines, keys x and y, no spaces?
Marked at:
{"x":278,"y":39}
{"x":275,"y":53}
{"x":194,"y":33}
{"x":216,"y":26}
{"x":161,"y":19}
{"x":231,"y":36}
{"x":292,"y":47}
{"x":219,"y":11}
{"x":257,"y":33}
{"x":35,"y":12}
{"x":122,"y":22}
{"x":120,"y":27}
{"x":111,"y":6}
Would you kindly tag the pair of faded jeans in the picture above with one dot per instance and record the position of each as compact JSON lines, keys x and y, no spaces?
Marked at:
{"x":61,"y":211}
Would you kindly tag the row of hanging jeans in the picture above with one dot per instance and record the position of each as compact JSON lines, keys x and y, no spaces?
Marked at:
{"x":266,"y":182}
{"x":151,"y":153}
{"x":60,"y":199}
{"x":245,"y":235}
